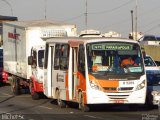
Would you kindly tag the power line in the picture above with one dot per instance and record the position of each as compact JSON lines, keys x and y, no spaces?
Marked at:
{"x":73,"y":18}
{"x":101,"y":12}
{"x":150,"y":23}
{"x":152,"y":28}
{"x":8,"y":5}
{"x":119,"y":22}
{"x":113,"y":9}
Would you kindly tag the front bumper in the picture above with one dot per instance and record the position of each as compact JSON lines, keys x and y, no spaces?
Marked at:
{"x":100,"y":97}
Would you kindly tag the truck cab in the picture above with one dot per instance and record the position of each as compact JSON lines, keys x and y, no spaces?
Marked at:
{"x":36,"y":80}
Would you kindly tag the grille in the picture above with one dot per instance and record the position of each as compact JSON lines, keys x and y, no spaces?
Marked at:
{"x":109,"y":88}
{"x":118,"y":89}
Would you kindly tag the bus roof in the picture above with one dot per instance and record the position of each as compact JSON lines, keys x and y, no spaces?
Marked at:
{"x":88,"y":39}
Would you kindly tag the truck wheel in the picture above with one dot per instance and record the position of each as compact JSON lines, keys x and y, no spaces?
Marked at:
{"x":35,"y":95}
{"x":60,"y":102}
{"x":82,"y":106}
{"x":15,"y":88}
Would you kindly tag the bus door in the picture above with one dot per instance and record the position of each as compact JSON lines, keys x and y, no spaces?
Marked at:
{"x":60,"y":69}
{"x":48,"y":63}
{"x":75,"y":70}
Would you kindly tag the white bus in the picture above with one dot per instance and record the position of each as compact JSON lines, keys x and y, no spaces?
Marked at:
{"x":88,"y":71}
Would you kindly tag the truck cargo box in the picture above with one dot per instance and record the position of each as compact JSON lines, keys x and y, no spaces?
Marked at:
{"x":20,"y":36}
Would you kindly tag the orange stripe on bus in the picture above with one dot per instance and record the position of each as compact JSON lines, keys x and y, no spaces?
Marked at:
{"x":66,"y":86}
{"x":85,"y":97}
{"x":108,"y":83}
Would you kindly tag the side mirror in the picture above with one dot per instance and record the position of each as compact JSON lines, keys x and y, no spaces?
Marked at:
{"x":30,"y":60}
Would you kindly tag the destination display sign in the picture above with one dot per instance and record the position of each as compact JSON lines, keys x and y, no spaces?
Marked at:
{"x":111,"y":46}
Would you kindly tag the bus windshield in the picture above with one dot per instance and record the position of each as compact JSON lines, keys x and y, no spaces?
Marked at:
{"x":114,"y":58}
{"x":40,"y":58}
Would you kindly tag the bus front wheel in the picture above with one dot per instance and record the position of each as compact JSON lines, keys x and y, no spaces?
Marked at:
{"x":82,"y":106}
{"x":60,"y":102}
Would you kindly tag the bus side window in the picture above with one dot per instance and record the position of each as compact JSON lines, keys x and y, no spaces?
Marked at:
{"x":64,"y":56}
{"x":57,"y":57}
{"x":81,"y":59}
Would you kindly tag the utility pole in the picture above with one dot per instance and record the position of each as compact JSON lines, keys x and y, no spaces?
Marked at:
{"x":45,"y":9}
{"x":132,"y":21}
{"x":86,"y":16}
{"x":136,"y":19}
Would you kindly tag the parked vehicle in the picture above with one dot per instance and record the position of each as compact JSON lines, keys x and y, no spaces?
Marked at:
{"x":3,"y":74}
{"x":158,"y":38}
{"x":150,"y":43}
{"x":153,"y":81}
{"x":148,"y":38}
{"x":87,"y":71}
{"x":22,"y":41}
{"x":1,"y":65}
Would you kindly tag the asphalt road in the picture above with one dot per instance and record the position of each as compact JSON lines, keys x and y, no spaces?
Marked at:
{"x":22,"y":107}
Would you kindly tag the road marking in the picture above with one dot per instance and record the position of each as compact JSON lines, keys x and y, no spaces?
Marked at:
{"x":90,"y":116}
{"x":94,"y":117}
{"x":23,"y":96}
{"x":2,"y":96}
{"x":6,"y":94}
{"x":45,"y":107}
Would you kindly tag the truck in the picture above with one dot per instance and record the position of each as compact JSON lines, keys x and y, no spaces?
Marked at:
{"x":24,"y":41}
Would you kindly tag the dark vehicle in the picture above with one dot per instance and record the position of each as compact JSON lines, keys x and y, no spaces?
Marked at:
{"x":158,"y":38}
{"x":148,"y":38}
{"x":1,"y":64}
{"x":153,"y":82}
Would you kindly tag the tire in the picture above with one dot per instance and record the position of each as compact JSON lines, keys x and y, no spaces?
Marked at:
{"x":35,"y":95}
{"x":82,"y":106}
{"x":15,"y":87}
{"x":60,"y":102}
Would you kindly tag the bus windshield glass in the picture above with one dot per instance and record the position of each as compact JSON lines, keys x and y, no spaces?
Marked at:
{"x":114,"y":58}
{"x":40,"y":58}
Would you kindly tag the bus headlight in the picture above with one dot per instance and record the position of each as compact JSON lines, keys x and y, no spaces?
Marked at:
{"x":155,"y":93}
{"x":94,"y":85}
{"x":141,"y":85}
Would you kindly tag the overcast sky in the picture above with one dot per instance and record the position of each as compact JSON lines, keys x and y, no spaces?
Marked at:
{"x":103,"y":15}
